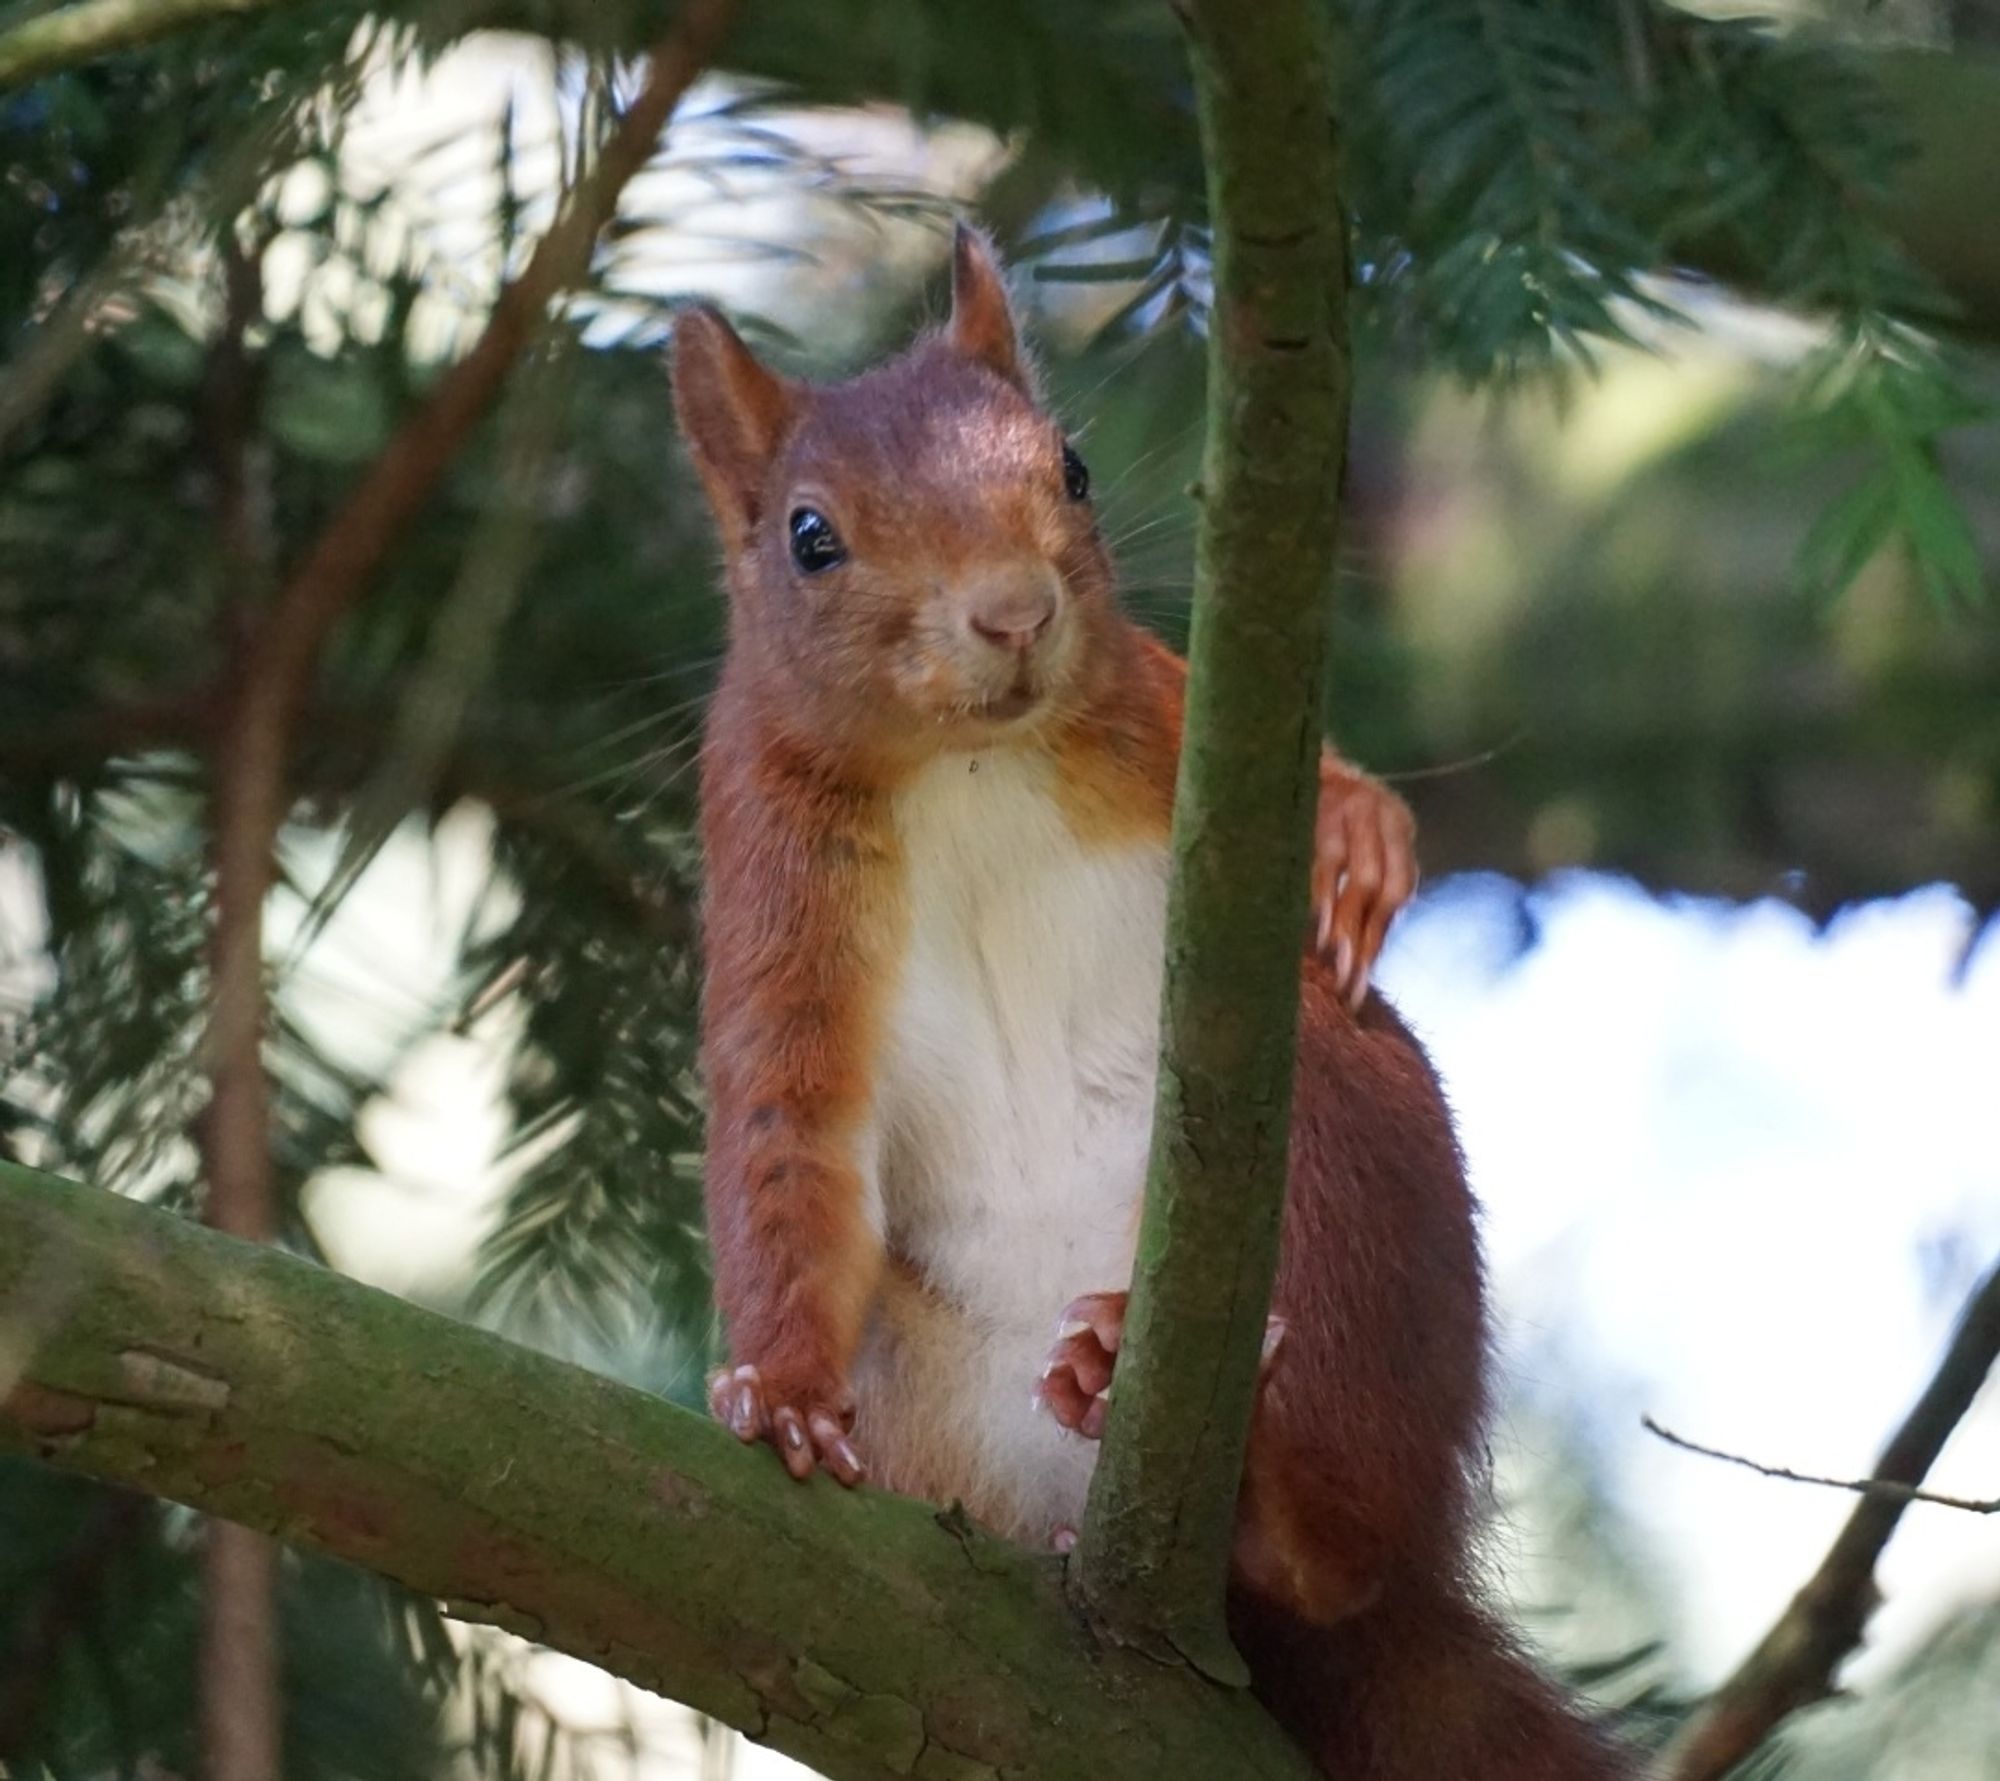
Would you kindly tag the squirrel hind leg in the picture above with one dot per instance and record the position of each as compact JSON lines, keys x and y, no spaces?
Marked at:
{"x":1293,"y":1549}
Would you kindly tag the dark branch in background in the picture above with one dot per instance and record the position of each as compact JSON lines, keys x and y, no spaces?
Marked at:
{"x":873,"y":1637}
{"x":338,"y":568}
{"x":241,"y":1697}
{"x":274,"y":661}
{"x":234,"y":1127}
{"x":1795,"y":1663}
{"x":1868,"y":1487}
{"x":1153,"y":1558}
{"x":71,"y":1596}
{"x":91,"y":28}
{"x":273,"y":651}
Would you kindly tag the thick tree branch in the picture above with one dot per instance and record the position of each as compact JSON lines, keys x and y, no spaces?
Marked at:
{"x":1794,"y":1665}
{"x":1154,"y":1552}
{"x":865,"y":1634}
{"x":91,"y":28}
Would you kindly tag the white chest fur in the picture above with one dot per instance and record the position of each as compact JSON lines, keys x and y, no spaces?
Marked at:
{"x":1017,"y":1083}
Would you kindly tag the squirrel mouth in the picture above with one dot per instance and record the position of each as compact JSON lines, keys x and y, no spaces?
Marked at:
{"x":1017,"y":701}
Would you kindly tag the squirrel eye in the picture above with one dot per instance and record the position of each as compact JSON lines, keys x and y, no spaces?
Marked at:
{"x":815,"y":544}
{"x":1076,"y":475}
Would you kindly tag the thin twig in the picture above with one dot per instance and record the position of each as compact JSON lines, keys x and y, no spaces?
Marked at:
{"x":234,"y":1127}
{"x":1871,"y":1487}
{"x":339,"y":566}
{"x":1795,"y":1663}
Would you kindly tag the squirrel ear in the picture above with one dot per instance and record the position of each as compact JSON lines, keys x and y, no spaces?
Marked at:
{"x":733,"y":413}
{"x":982,"y":320}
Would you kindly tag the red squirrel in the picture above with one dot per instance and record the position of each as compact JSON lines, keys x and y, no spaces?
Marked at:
{"x":936,"y":783}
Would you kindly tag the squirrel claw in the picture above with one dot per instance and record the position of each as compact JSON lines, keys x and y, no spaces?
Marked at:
{"x":1076,"y":1380}
{"x":1080,"y":1375}
{"x":808,"y":1438}
{"x":1364,"y":871}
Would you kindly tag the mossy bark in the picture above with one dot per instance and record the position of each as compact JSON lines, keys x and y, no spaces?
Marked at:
{"x":865,"y":1634}
{"x":91,"y":28}
{"x":1154,"y":1551}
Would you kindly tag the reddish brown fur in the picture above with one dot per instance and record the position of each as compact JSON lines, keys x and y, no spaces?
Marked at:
{"x":1353,"y":1600}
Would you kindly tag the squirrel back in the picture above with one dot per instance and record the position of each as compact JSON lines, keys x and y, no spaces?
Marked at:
{"x":936,"y":790}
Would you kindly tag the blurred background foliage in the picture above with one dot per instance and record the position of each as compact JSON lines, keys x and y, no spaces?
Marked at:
{"x":1673,"y":520}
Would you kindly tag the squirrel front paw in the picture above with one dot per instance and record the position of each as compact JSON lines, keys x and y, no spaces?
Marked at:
{"x":1364,"y":871}
{"x":1075,"y":1386}
{"x":810,"y":1425}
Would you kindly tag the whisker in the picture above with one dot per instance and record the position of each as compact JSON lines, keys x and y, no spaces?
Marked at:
{"x":1466,"y":764}
{"x":1151,"y":528}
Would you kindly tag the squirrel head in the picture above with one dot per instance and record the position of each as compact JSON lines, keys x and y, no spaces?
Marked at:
{"x":913,"y":561}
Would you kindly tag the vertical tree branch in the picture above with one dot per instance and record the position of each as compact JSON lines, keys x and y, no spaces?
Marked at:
{"x":241,"y":1705}
{"x":1154,"y":1553}
{"x":272,"y":667}
{"x":1794,"y":1664}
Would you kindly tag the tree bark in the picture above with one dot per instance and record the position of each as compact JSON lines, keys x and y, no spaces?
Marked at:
{"x":242,"y":1711}
{"x":870,"y":1636}
{"x":1154,"y":1552}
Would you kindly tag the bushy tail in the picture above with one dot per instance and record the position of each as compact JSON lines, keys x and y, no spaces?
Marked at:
{"x":1421,"y":1687}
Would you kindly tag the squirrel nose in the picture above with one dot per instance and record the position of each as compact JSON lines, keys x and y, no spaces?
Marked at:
{"x":1013,"y":621}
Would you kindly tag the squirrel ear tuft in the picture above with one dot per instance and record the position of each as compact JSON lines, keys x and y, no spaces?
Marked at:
{"x":733,"y":414}
{"x":982,"y":320}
